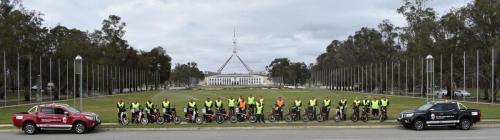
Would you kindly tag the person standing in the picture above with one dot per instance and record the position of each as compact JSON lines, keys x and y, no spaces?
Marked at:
{"x":280,"y":103}
{"x":375,"y":105}
{"x":296,"y":107}
{"x":231,"y":103}
{"x":150,"y":107}
{"x":191,"y":108}
{"x":242,"y":106}
{"x":219,"y":106}
{"x":208,"y":108}
{"x":259,"y":113}
{"x":384,"y":104}
{"x":366,"y":105}
{"x":166,"y":106}
{"x":327,"y":103}
{"x":135,"y":108}
{"x":251,"y":104}
{"x":312,"y":107}
{"x":120,"y":106}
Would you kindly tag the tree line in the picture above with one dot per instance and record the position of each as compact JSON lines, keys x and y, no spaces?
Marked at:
{"x":23,"y":36}
{"x":473,"y":28}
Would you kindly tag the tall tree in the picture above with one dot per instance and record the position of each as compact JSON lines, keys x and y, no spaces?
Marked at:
{"x":187,"y":74}
{"x":286,"y":72}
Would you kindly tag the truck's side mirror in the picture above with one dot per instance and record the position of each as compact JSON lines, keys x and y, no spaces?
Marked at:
{"x":432,"y":109}
{"x":66,"y":113}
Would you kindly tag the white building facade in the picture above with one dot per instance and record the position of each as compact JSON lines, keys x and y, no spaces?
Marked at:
{"x":237,"y":80}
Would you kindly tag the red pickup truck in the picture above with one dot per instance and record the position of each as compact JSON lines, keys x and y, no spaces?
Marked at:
{"x":55,"y":117}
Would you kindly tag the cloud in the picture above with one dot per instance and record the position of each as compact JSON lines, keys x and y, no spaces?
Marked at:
{"x":201,"y":31}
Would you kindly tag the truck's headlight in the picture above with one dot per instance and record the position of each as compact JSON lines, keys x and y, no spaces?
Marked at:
{"x":89,"y":117}
{"x":407,"y":115}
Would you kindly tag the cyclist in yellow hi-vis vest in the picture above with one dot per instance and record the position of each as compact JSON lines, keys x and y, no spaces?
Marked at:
{"x":166,"y":107}
{"x":296,"y":107}
{"x":150,"y":107}
{"x":375,"y":105}
{"x":259,"y":113}
{"x":366,"y":104}
{"x":311,"y":108}
{"x":327,"y":104}
{"x":208,"y":108}
{"x":120,"y":108}
{"x":219,"y":106}
{"x":231,"y":104}
{"x":251,"y":104}
{"x":135,"y":108}
{"x":384,"y":103}
{"x":191,"y":107}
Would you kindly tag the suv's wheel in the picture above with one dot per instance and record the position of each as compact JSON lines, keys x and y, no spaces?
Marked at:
{"x":418,"y":124}
{"x":29,"y":128}
{"x":79,"y":128}
{"x":465,"y":124}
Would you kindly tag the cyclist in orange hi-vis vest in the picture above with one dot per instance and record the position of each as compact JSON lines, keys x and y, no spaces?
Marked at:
{"x":242,"y":105}
{"x":280,"y":103}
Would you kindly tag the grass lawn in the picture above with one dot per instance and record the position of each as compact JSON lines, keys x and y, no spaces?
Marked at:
{"x":105,"y":106}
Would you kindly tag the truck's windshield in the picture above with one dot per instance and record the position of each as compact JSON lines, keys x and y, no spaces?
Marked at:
{"x":425,"y":107}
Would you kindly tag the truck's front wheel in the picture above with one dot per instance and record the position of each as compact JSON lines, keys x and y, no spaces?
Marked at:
{"x":29,"y":128}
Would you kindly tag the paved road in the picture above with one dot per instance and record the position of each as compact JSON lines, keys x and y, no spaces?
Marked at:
{"x":270,"y":134}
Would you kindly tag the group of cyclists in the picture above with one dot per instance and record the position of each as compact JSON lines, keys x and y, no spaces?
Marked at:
{"x":251,"y":108}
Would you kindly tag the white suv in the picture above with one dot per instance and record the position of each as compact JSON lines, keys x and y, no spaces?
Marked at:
{"x":441,"y":92}
{"x":461,"y":93}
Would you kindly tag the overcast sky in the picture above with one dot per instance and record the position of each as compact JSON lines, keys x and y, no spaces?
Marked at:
{"x":202,"y":30}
